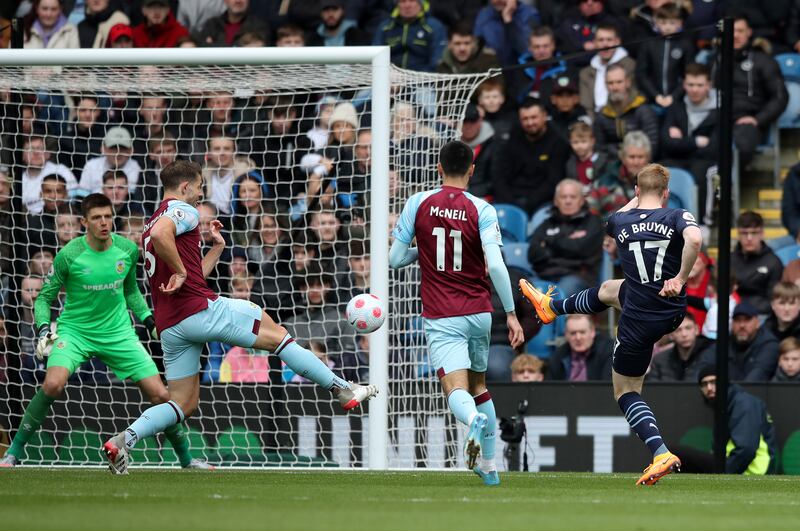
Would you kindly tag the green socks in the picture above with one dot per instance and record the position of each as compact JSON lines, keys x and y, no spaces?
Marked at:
{"x":34,"y":415}
{"x":37,"y":411}
{"x":176,"y":435}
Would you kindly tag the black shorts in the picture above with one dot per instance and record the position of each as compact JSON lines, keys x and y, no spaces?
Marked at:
{"x":637,"y":333}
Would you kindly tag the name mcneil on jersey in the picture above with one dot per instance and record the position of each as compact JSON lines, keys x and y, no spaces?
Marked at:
{"x":647,"y":226}
{"x":449,"y":213}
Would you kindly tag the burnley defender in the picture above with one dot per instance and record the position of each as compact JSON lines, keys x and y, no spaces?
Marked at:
{"x":98,"y":273}
{"x":188,"y":314}
{"x":657,"y":247}
{"x":454,"y":230}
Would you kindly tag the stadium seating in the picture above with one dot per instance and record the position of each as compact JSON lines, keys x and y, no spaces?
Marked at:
{"x":516,"y":255}
{"x":787,"y":254}
{"x":790,"y":119}
{"x":542,"y":343}
{"x":790,"y":66}
{"x":513,"y":222}
{"x":538,"y":218}
{"x":682,"y":190}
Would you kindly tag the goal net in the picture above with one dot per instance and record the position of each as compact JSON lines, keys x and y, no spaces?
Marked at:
{"x":285,"y":150}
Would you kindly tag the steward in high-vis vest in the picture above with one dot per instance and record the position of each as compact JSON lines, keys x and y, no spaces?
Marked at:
{"x":751,"y":445}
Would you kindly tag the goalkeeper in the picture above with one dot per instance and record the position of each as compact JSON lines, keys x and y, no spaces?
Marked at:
{"x":98,"y":271}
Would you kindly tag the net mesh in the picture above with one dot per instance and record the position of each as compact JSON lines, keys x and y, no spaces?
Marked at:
{"x":285,"y":153}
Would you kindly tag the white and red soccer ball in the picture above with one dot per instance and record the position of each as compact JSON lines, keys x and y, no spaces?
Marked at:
{"x":365,"y":313}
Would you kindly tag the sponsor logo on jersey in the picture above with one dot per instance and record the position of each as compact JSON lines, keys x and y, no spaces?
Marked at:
{"x":120,"y":266}
{"x":102,"y":287}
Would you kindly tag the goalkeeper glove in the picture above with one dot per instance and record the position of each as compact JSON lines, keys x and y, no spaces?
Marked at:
{"x":150,"y":324}
{"x":45,"y":344}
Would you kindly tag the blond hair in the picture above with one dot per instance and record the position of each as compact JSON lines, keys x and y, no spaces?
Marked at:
{"x":526,"y":361}
{"x":653,"y":179}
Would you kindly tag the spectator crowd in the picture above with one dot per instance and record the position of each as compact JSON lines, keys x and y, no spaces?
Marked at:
{"x":289,"y":176}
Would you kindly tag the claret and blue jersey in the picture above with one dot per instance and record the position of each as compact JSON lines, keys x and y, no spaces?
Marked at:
{"x":650,"y":246}
{"x":451,"y":227}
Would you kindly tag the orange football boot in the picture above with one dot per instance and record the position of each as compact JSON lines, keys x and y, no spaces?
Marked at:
{"x":541,"y":301}
{"x":662,"y":465}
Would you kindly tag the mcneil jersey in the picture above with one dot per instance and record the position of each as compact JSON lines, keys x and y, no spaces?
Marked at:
{"x":451,"y":227}
{"x":194,"y":294}
{"x":650,"y":246}
{"x":100,"y":287}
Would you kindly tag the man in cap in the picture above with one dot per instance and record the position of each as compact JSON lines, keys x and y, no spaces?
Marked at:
{"x":120,"y":36}
{"x":117,"y":150}
{"x":565,"y":107}
{"x":753,"y":352}
{"x":416,"y":38}
{"x":335,"y":29}
{"x":751,"y":449}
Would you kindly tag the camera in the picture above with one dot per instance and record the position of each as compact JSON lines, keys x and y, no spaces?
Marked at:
{"x":512,"y":429}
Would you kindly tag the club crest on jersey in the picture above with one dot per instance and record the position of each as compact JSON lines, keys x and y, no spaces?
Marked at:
{"x":120,"y":266}
{"x":61,"y":344}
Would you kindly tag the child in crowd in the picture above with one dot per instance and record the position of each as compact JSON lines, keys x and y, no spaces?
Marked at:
{"x":527,"y":368}
{"x":789,"y":361}
{"x":586,"y":163}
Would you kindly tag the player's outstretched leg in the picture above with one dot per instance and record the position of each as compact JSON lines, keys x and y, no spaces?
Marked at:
{"x":643,"y":423}
{"x":303,"y":362}
{"x":487,"y":469}
{"x":547,"y":308}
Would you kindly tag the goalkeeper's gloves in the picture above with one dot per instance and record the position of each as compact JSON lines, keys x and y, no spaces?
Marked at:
{"x":46,"y":340}
{"x":150,"y":324}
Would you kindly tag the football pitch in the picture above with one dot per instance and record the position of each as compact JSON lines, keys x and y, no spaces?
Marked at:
{"x":172,"y":500}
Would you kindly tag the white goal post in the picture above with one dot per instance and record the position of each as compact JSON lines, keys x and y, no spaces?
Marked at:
{"x":443,"y":99}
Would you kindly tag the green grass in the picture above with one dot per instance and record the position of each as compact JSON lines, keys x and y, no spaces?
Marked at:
{"x":172,"y":500}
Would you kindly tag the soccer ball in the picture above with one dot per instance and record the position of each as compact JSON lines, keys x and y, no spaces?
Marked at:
{"x":365,"y":313}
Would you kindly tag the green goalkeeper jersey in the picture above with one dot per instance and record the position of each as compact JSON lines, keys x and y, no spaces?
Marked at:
{"x":100,"y":287}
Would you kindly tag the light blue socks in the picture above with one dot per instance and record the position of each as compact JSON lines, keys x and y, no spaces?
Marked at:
{"x":462,"y":405}
{"x":485,"y":405}
{"x":307,"y":365}
{"x":154,"y":420}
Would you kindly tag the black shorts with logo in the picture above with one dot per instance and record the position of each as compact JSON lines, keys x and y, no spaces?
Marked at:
{"x":637,"y":333}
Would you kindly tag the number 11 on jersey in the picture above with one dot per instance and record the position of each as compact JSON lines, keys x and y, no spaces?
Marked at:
{"x":439,"y":232}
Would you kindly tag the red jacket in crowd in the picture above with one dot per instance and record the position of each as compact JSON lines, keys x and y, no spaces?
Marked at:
{"x":161,"y":36}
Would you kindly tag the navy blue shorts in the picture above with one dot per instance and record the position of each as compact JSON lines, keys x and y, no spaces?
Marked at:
{"x":637,"y":332}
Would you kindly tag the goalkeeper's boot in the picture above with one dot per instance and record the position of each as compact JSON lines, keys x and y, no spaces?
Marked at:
{"x":542,"y":302}
{"x":472,"y":445}
{"x":196,"y":464}
{"x":662,"y":465}
{"x":490,"y":479}
{"x":117,"y":454}
{"x":350,"y":398}
{"x":9,"y":461}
